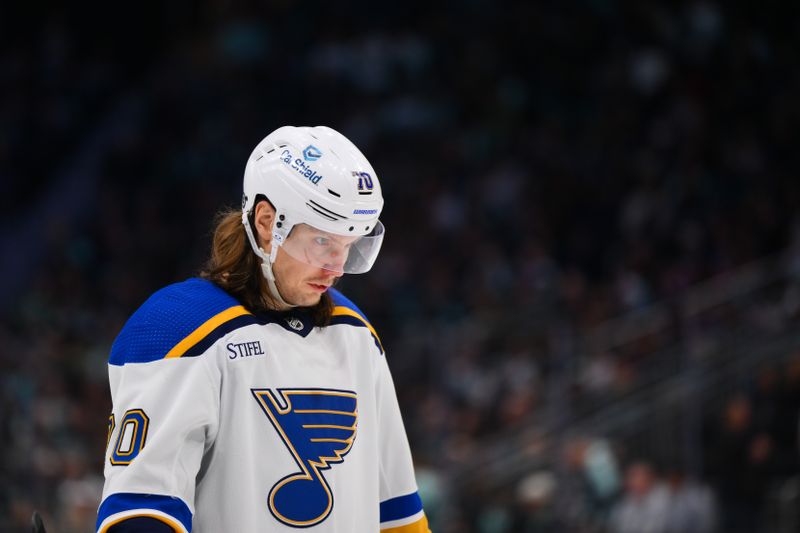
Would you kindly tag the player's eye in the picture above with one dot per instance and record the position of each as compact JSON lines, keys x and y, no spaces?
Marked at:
{"x":322,"y":241}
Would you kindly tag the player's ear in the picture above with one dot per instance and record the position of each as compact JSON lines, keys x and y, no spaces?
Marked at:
{"x":264,"y":218}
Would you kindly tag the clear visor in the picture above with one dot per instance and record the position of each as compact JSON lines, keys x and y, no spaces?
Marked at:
{"x":338,"y":253}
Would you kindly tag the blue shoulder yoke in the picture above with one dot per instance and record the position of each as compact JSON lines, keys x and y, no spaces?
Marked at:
{"x":178,"y":320}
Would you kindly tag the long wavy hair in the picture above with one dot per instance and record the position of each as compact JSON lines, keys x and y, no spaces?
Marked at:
{"x":236,"y":269}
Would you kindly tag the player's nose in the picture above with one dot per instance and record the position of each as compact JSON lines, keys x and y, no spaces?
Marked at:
{"x":335,"y":261}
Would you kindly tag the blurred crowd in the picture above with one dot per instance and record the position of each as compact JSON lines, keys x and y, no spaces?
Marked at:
{"x":546,"y":168}
{"x":749,"y":482}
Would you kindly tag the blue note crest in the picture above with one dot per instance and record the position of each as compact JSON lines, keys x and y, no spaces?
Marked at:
{"x":318,"y":426}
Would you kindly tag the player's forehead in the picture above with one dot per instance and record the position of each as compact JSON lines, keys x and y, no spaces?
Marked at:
{"x":306,"y":231}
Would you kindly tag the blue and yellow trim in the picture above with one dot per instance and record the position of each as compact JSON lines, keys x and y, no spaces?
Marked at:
{"x":346,"y":312}
{"x":206,"y":328}
{"x":401,"y":509}
{"x":171,"y":511}
{"x":419,"y":526}
{"x":185,"y":319}
{"x":181,"y":320}
{"x":344,"y":315}
{"x":144,"y":514}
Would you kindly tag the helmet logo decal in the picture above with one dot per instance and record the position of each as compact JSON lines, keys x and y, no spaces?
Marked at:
{"x":311,"y":153}
{"x":300,"y":166}
{"x":365,"y":184}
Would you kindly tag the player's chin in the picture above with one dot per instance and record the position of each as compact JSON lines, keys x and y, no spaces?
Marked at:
{"x":310,"y":298}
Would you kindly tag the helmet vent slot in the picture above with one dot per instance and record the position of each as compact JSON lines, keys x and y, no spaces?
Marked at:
{"x":334,"y":193}
{"x":323,"y":211}
{"x":259,"y":158}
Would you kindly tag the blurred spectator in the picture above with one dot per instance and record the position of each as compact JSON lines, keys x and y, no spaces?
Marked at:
{"x":536,"y":512}
{"x":645,"y":507}
{"x":692,"y":508}
{"x":728,"y":445}
{"x":78,"y":495}
{"x":760,"y":464}
{"x":589,"y":484}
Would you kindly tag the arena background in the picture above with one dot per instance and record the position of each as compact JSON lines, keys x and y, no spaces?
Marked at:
{"x":590,"y":286}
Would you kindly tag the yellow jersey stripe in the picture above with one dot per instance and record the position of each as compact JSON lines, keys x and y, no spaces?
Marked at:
{"x":340,"y":310}
{"x":207,"y":327}
{"x":174,"y":524}
{"x":420,"y":526}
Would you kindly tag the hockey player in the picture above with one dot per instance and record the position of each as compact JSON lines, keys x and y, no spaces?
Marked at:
{"x":258,"y":398}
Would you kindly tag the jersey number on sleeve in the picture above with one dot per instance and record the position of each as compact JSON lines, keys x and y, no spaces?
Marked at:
{"x":131,"y":438}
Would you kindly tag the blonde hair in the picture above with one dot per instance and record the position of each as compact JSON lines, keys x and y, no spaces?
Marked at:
{"x":234,"y":267}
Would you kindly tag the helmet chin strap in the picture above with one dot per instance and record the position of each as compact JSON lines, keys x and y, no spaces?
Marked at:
{"x":266,"y":263}
{"x":266,"y":269}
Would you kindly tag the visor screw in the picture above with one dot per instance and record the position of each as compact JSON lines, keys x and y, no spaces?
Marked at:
{"x":367,"y":228}
{"x":351,"y":228}
{"x":279,"y":224}
{"x":281,"y":217}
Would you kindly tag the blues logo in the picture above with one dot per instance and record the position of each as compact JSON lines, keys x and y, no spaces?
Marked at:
{"x":318,"y":426}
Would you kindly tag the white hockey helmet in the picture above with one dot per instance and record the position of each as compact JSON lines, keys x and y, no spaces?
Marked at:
{"x":326,"y":196}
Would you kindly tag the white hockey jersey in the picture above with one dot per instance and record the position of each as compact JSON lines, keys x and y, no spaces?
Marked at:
{"x":226,"y":421}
